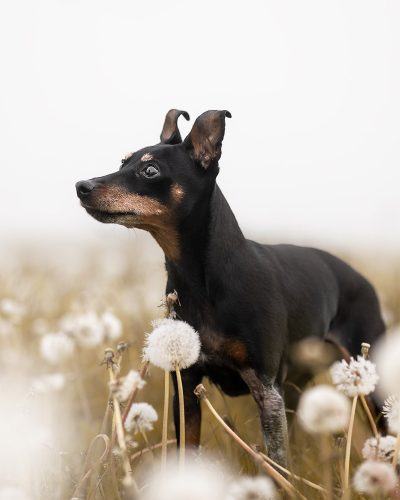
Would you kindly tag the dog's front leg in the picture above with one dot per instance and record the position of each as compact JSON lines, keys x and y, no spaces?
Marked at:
{"x":272,"y":413}
{"x":191,"y":377}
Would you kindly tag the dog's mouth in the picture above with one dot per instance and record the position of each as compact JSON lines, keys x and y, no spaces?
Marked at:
{"x":106,"y":216}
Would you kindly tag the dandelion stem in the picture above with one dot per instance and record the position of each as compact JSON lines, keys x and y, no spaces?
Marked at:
{"x":396,"y":451}
{"x":181,"y":418}
{"x":283,"y":482}
{"x":348,"y":443}
{"x":165,"y":421}
{"x":369,"y":415}
{"x":294,"y":476}
{"x":326,"y":455}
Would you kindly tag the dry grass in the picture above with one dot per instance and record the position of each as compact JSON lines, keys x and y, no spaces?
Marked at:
{"x":45,"y":436}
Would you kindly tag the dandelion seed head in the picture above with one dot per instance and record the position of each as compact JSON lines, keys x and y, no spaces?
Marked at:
{"x":11,"y":309}
{"x":322,"y":409}
{"x":252,"y":488}
{"x":140,"y":418}
{"x":374,"y":478}
{"x":391,"y":411}
{"x":199,"y":481}
{"x":86,"y":328}
{"x":12,"y":493}
{"x":7,"y":328}
{"x":312,"y":354}
{"x":112,"y":326}
{"x":356,"y":377}
{"x":56,"y":347}
{"x":171,"y":343}
{"x":387,"y":359}
{"x":381,"y":448}
{"x":123,"y":386}
{"x":48,"y":383}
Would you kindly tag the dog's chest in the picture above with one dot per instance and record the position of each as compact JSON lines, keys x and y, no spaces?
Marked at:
{"x":219,"y":348}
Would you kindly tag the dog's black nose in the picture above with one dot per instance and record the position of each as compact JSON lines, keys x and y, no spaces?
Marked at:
{"x":83,"y":188}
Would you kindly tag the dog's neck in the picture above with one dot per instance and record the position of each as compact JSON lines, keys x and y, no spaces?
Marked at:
{"x":207,"y":240}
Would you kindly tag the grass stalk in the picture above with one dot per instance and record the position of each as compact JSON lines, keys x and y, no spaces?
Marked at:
{"x":147,"y":450}
{"x":89,"y":468}
{"x":165,"y":421}
{"x":201,"y":393}
{"x":82,"y":393}
{"x":182,"y":438}
{"x":348,"y":444}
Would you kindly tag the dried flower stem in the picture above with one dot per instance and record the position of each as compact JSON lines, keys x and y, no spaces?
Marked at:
{"x":365,"y":347}
{"x":348,"y":444}
{"x":148,"y":445}
{"x":396,"y":451}
{"x":200,"y":392}
{"x":165,"y":421}
{"x":154,"y":447}
{"x":90,"y":468}
{"x":181,"y":418}
{"x":82,"y":393}
{"x":369,"y":415}
{"x":129,"y":481}
{"x":113,"y":472}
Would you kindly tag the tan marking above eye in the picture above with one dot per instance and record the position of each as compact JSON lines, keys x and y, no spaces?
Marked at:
{"x":177,"y":193}
{"x":146,"y":157}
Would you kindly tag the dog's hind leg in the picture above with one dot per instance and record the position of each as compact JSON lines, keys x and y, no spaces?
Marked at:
{"x":272,"y":413}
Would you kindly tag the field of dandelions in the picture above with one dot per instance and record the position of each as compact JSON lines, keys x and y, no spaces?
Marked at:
{"x":87,"y":344}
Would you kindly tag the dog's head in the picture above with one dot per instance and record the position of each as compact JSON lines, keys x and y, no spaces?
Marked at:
{"x":157,"y":187}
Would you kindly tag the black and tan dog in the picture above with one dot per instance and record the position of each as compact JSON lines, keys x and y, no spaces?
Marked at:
{"x":248,"y":301}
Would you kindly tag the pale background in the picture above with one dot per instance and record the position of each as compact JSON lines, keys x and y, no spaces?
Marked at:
{"x":311,"y":154}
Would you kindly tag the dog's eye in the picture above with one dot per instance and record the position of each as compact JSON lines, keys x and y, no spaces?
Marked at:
{"x":150,"y":171}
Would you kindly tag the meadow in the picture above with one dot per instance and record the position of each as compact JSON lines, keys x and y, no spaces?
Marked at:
{"x":56,"y":394}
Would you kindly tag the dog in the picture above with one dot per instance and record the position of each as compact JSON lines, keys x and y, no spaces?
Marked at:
{"x":249,"y":302}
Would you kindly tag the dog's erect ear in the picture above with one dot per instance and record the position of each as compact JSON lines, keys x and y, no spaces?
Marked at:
{"x":170,"y":133}
{"x":205,"y":138}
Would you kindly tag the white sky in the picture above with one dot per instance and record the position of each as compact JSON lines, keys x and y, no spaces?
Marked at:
{"x":311,"y":153}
